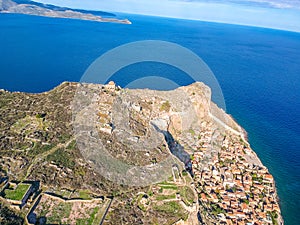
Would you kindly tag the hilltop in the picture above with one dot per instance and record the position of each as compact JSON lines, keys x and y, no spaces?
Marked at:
{"x":213,"y":176}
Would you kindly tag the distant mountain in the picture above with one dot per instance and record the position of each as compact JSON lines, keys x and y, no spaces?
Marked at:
{"x":6,"y":4}
{"x":39,"y":9}
{"x":58,"y":8}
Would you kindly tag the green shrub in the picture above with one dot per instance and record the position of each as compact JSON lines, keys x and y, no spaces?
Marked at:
{"x":165,"y":106}
{"x":62,"y":158}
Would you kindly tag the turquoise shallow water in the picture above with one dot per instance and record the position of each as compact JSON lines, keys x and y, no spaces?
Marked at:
{"x":258,"y":70}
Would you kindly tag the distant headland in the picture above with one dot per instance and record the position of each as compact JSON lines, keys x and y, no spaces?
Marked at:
{"x":38,"y":9}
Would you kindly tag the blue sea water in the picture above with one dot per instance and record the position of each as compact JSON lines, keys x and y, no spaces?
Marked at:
{"x":258,"y":70}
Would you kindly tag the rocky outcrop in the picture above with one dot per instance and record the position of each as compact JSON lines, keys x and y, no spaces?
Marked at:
{"x":142,"y":135}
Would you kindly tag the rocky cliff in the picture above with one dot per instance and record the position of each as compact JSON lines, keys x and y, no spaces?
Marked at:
{"x":166,"y":156}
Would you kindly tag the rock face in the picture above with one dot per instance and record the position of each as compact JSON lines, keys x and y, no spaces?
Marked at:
{"x":205,"y":141}
{"x":172,"y":156}
{"x":31,"y":8}
{"x":135,"y":122}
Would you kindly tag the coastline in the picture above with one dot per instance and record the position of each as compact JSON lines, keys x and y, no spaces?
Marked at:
{"x":205,"y":100}
{"x":9,"y":6}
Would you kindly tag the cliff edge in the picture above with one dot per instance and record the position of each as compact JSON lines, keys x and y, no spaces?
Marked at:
{"x":214,"y":177}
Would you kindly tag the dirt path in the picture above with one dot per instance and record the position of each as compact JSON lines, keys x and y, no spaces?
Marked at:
{"x":40,"y":157}
{"x":226,"y":126}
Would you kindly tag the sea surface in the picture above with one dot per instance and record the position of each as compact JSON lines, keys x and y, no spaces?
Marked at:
{"x":258,"y":70}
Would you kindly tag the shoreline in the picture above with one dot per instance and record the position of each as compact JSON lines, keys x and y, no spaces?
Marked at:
{"x":31,"y":8}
